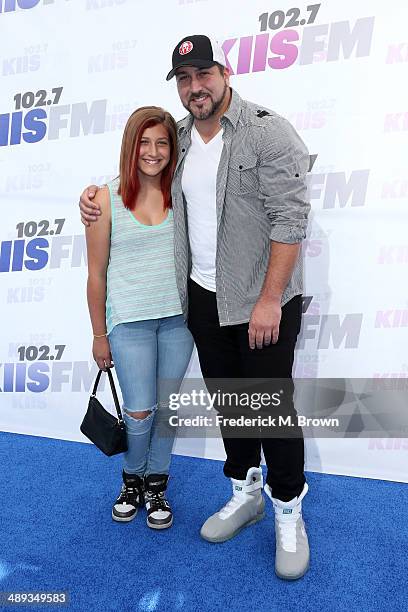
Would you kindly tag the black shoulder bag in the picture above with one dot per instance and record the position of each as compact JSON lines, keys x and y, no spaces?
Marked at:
{"x":101,"y":427}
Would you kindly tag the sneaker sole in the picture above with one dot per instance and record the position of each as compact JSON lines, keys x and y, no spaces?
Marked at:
{"x":123,"y":519}
{"x":165,"y":526}
{"x":285,"y":577}
{"x":258,"y":518}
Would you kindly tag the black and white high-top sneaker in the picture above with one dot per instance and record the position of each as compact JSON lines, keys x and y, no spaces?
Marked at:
{"x":159,"y":514}
{"x":130,"y":498}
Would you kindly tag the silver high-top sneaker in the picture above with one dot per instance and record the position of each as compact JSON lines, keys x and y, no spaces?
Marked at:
{"x":246,"y":507}
{"x":292,"y":546}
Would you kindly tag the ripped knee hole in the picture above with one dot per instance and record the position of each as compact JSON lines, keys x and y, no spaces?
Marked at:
{"x":140,"y":415}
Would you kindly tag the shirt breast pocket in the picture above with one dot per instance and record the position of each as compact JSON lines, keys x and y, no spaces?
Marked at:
{"x":243,"y":175}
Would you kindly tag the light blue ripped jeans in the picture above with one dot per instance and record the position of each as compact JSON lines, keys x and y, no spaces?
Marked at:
{"x":151,"y":358}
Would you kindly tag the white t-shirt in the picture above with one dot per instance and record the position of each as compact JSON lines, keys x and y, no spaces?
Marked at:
{"x":199,"y":182}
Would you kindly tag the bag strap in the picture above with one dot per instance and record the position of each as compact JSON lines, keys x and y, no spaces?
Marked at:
{"x":112,"y":386}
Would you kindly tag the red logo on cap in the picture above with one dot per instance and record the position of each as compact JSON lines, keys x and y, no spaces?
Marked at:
{"x":186,"y":47}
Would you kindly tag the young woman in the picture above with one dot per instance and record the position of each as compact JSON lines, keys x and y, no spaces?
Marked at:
{"x":135,"y":307}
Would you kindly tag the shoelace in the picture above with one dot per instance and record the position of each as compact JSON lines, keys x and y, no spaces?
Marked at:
{"x":230,"y":507}
{"x":287,"y":532}
{"x":157,"y":500}
{"x":128,"y":493}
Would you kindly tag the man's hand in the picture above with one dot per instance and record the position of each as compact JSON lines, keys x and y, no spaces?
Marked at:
{"x":101,"y":353}
{"x":89,"y":210}
{"x":264,"y":323}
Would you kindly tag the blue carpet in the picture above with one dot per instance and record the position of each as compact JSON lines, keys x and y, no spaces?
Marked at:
{"x":57,"y":534}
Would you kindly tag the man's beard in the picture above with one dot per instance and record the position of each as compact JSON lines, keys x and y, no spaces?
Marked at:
{"x":214,"y":106}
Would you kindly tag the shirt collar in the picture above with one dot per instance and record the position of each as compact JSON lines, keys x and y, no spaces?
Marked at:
{"x":234,"y":110}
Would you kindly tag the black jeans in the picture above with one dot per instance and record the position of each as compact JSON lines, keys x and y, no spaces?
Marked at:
{"x":224,"y":353}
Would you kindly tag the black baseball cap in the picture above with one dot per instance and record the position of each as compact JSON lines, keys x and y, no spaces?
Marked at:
{"x":197,"y":50}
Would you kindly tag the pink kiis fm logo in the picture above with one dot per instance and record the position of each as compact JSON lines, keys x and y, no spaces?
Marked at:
{"x":279,"y":50}
{"x":186,"y":47}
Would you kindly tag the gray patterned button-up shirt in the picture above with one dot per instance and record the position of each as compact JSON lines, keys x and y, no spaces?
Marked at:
{"x":261,"y":196}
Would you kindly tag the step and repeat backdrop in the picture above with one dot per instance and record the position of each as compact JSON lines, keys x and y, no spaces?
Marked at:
{"x":72,"y":71}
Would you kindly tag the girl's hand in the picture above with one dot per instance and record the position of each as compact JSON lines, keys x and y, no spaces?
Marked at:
{"x":101,"y":353}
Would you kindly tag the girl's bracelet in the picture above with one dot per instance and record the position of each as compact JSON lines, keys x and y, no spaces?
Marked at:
{"x":101,"y":336}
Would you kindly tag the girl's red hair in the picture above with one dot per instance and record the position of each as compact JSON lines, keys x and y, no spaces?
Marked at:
{"x":138,"y":122}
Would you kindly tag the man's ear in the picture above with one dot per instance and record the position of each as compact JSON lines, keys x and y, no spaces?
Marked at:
{"x":227,"y":75}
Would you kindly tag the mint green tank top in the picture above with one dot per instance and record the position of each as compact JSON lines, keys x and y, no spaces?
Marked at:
{"x":141,"y":276}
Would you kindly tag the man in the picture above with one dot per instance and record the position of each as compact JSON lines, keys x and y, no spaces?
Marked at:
{"x":240,"y":189}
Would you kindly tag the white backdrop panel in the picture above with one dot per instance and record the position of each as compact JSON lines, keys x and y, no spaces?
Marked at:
{"x":71,"y":73}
